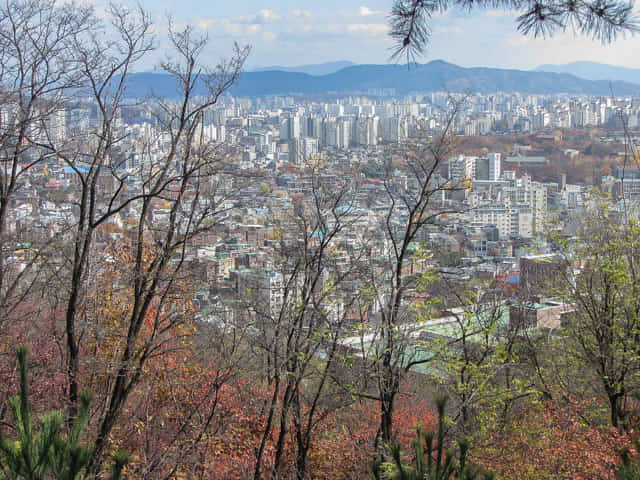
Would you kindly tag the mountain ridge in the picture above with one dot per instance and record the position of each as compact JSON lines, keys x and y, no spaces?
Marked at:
{"x":594,"y":71}
{"x":437,"y":75}
{"x":316,"y":69}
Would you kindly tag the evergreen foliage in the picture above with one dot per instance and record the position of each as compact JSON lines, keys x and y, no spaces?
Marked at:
{"x":47,"y":452}
{"x":629,"y":469}
{"x":432,"y":461}
{"x":603,"y":20}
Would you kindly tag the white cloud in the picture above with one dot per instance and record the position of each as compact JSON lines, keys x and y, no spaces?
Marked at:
{"x":365,"y":11}
{"x":204,"y":23}
{"x":359,"y":29}
{"x":499,"y":13}
{"x":261,"y":17}
{"x":241,"y":26}
{"x":267,"y":16}
{"x":301,"y":13}
{"x":253,"y":29}
{"x":226,"y":26}
{"x":269,"y":36}
{"x":302,"y":29}
{"x":305,"y":34}
{"x":453,"y":29}
{"x":517,"y":40}
{"x":297,"y":22}
{"x":371,"y":29}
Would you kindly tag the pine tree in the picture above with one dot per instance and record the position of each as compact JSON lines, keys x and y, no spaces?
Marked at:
{"x":440,"y":464}
{"x":49,"y":452}
{"x":629,"y":469}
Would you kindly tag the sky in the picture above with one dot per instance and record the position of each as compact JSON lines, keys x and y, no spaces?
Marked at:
{"x":288,"y":33}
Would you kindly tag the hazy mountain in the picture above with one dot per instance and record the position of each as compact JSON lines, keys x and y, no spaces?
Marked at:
{"x":314,"y":69}
{"x":595,"y":71}
{"x":433,"y":76}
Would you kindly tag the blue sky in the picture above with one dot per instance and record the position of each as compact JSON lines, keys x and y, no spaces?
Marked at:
{"x":287,"y":32}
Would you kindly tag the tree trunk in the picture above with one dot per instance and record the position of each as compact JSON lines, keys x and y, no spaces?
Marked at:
{"x":617,"y":412}
{"x":284,"y":414}
{"x":302,"y":440}
{"x":73,"y":360}
{"x":386,"y":419}
{"x":257,"y":472}
{"x":301,"y":463}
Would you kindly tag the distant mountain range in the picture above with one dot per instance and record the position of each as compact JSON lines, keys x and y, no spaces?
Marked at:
{"x":595,"y":71}
{"x":314,"y":69}
{"x":433,"y":76}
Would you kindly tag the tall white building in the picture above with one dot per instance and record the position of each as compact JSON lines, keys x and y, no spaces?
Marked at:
{"x":461,"y":168}
{"x":366,"y":131}
{"x":290,"y":127}
{"x":301,"y":150}
{"x":329,"y":132}
{"x":343,"y":134}
{"x":393,"y":129}
{"x":494,"y":166}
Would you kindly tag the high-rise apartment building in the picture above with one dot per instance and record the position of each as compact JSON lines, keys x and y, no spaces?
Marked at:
{"x":461,"y":168}
{"x":494,"y":166}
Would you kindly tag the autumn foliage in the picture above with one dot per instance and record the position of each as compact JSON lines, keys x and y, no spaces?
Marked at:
{"x":192,"y":417}
{"x":553,"y":439}
{"x":198,"y":413}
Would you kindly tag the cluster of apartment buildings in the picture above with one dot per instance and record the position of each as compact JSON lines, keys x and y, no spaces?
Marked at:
{"x":498,"y":215}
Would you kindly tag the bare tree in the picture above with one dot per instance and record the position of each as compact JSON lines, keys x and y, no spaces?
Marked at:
{"x":298,"y":332}
{"x":413,"y":192}
{"x":183,"y":176}
{"x":38,"y":73}
{"x":56,"y":58}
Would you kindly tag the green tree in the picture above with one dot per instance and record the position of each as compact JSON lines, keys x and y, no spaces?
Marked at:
{"x":49,"y":452}
{"x":439,"y":464}
{"x":478,"y":363}
{"x":629,"y":469}
{"x":602,"y":281}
